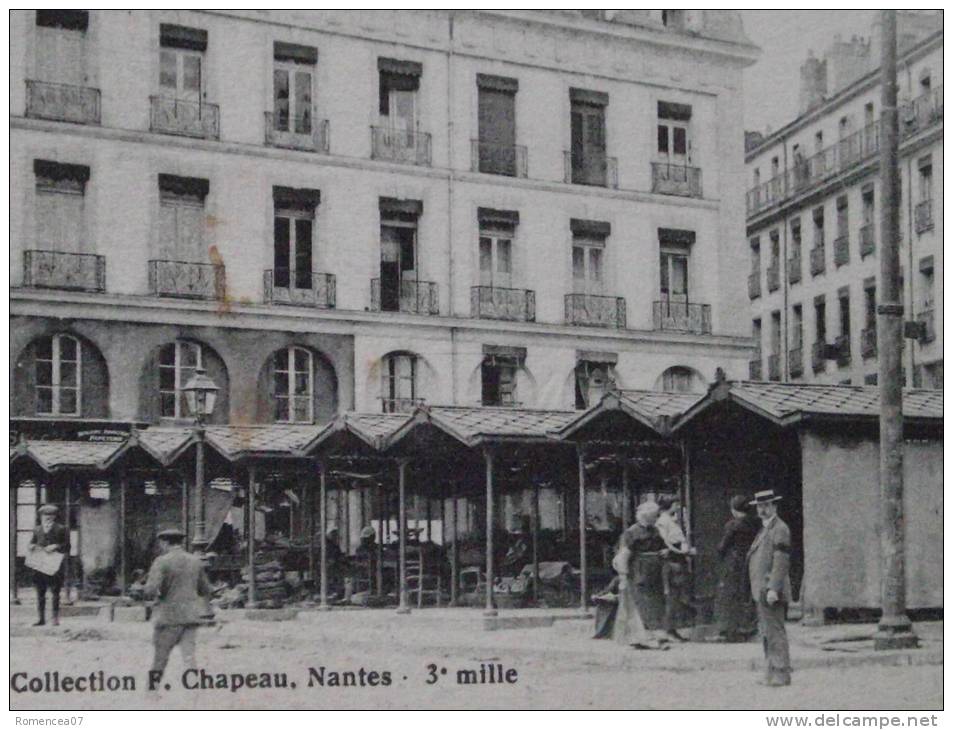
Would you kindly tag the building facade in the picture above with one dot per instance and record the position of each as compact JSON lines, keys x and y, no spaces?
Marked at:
{"x":366,"y":210}
{"x":814,"y":216}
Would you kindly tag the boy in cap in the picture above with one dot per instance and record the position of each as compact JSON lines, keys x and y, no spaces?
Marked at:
{"x":178,"y":583}
{"x":52,"y":537}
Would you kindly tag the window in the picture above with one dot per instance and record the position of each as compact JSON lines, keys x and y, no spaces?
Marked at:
{"x":843,"y":127}
{"x":496,"y":112}
{"x":29,"y":498}
{"x":757,"y":177}
{"x":496,"y":258}
{"x":796,"y":239}
{"x":756,"y":256}
{"x":869,"y":114}
{"x":843,"y":300}
{"x":58,"y":376}
{"x":818,"y":141}
{"x":499,"y":375}
{"x":677,"y":380}
{"x":674,"y":133}
{"x":182,"y":218}
{"x":797,"y":326}
{"x":870,"y":305}
{"x":398,"y":84}
{"x":673,"y":274}
{"x":756,"y":335}
{"x":181,"y":62}
{"x":61,"y":46}
{"x":818,"y":216}
{"x":399,"y":385}
{"x":294,"y":237}
{"x":925,"y":81}
{"x":775,"y":166}
{"x":398,"y":254}
{"x":595,"y":375}
{"x":775,"y":248}
{"x":927,"y":280}
{"x":588,"y":252}
{"x":294,"y":385}
{"x":293,"y":81}
{"x":820,"y":320}
{"x":60,"y":206}
{"x":588,"y":137}
{"x":178,"y":362}
{"x":926,"y":178}
{"x":776,"y":333}
{"x":842,"y":223}
{"x":673,"y":18}
{"x":867,"y":200}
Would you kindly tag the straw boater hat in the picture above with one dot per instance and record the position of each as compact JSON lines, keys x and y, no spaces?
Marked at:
{"x":173,"y":534}
{"x":765,"y":497}
{"x":49,"y":509}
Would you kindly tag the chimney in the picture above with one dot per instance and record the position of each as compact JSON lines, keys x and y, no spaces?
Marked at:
{"x":813,"y":83}
{"x":847,"y":61}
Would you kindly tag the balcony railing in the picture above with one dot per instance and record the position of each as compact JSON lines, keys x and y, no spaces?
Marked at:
{"x":774,"y":367}
{"x":682,"y":317}
{"x":842,"y":346}
{"x":494,"y":302}
{"x":301,"y":288}
{"x":415,"y":297}
{"x":754,"y":367}
{"x":817,"y":260}
{"x":923,"y":112}
{"x":591,"y":169}
{"x":62,"y":102}
{"x":400,"y":145}
{"x":927,"y":318}
{"x":868,"y":342}
{"x":923,"y":216}
{"x":819,"y":356}
{"x":400,"y":405}
{"x":595,"y":311}
{"x":69,"y":271}
{"x":841,"y":250}
{"x":754,"y":285}
{"x":774,"y":276}
{"x":187,"y":280}
{"x":794,"y":269}
{"x":297,"y":133}
{"x":866,"y":240}
{"x":183,"y":117}
{"x":681,"y":180}
{"x":766,"y":194}
{"x":498,"y":159}
{"x":796,"y":361}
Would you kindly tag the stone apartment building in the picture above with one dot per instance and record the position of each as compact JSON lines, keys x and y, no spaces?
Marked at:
{"x":814,"y":216}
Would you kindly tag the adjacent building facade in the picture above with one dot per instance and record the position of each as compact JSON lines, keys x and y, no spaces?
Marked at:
{"x":814,"y":216}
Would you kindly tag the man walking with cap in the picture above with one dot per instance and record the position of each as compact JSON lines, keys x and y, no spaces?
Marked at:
{"x":177,"y":580}
{"x":49,"y":537}
{"x":769,"y":559}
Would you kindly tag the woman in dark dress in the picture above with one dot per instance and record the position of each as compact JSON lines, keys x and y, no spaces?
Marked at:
{"x":734,"y":609}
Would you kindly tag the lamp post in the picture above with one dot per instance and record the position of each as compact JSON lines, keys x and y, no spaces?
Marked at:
{"x":201,"y":393}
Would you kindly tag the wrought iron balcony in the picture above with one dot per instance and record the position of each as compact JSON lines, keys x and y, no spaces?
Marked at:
{"x":819,"y":356}
{"x":670,"y":316}
{"x":494,"y":302}
{"x":774,"y":367}
{"x":595,"y":311}
{"x":842,"y":347}
{"x":62,"y":102}
{"x":766,"y":194}
{"x":794,"y":269}
{"x":754,"y":285}
{"x":841,"y":250}
{"x":68,"y":271}
{"x":817,"y":260}
{"x":301,"y":288}
{"x":868,"y":342}
{"x":796,"y":361}
{"x":928,"y":320}
{"x":923,"y":216}
{"x":591,"y":169}
{"x":187,"y":280}
{"x":400,"y":405}
{"x":415,"y":297}
{"x":681,"y":180}
{"x":923,"y":112}
{"x":400,"y":145}
{"x":297,"y":133}
{"x":754,"y":367}
{"x":866,"y":240}
{"x":498,"y":159}
{"x":183,"y":117}
{"x":774,"y":276}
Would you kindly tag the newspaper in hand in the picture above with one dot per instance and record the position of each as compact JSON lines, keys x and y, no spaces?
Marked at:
{"x":44,"y":562}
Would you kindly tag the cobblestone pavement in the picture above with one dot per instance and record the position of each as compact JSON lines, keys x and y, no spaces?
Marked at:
{"x":555,"y":667}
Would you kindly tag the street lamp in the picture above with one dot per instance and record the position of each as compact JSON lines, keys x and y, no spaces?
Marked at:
{"x":201,"y":393}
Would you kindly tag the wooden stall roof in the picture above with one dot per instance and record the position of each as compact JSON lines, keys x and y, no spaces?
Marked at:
{"x":272,"y":440}
{"x":370,"y":429}
{"x":54,"y":456}
{"x":789,"y":403}
{"x":164,"y":444}
{"x":653,"y":409}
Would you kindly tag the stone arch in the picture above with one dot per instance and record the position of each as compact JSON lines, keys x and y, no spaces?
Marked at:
{"x":681,"y":379}
{"x":426,"y":386}
{"x":324,"y":386}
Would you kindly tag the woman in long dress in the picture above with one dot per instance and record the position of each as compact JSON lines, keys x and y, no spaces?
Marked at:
{"x":641,"y":605}
{"x":734,"y":609}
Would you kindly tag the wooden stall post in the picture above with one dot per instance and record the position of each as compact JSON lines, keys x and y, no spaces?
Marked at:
{"x":454,"y":553}
{"x":252,"y":478}
{"x":312,"y":558}
{"x":488,"y":456}
{"x":14,"y":498}
{"x":402,"y":535}
{"x":626,"y":495}
{"x":535,"y":542}
{"x":583,"y":568}
{"x":323,"y":499}
{"x":123,"y":484}
{"x":380,"y":540}
{"x":67,"y":519}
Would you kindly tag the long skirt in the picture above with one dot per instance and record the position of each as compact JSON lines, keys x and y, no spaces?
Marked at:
{"x":629,"y":628}
{"x":734,"y":609}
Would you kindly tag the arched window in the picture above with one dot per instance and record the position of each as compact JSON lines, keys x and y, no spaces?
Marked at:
{"x":58,"y":376}
{"x":294,"y":385}
{"x":399,"y":382}
{"x":177,"y":364}
{"x":678,"y":380}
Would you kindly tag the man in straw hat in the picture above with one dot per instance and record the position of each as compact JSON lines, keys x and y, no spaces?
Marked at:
{"x":177,"y":580}
{"x":50,"y":537}
{"x":769,"y":559}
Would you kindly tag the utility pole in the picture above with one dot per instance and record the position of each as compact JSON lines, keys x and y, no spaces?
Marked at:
{"x":895,"y":630}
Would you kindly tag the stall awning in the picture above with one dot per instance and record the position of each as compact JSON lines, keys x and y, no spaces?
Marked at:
{"x":370,"y":429}
{"x":281,"y":440}
{"x":165,"y":445}
{"x":651,"y":408}
{"x":55,"y":455}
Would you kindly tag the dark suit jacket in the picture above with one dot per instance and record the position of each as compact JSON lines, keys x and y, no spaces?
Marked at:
{"x":177,"y":580}
{"x":769,"y":560}
{"x":58,"y":535}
